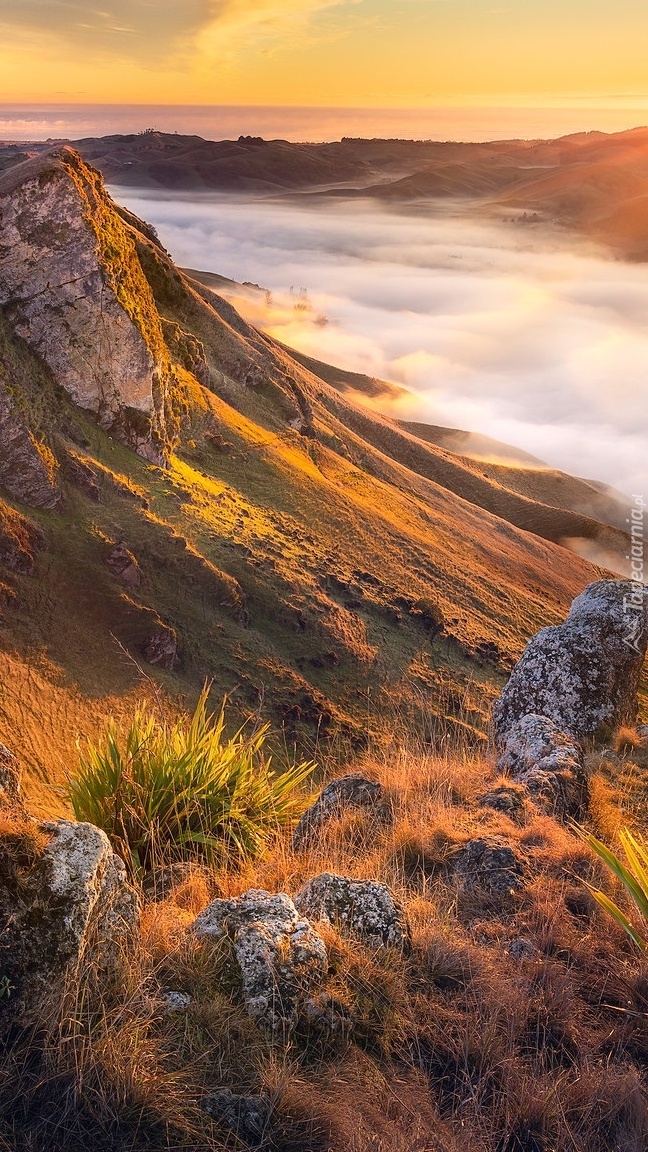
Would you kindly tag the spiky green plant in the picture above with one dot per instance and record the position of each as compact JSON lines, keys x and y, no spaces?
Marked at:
{"x":633,"y":876}
{"x":174,"y":792}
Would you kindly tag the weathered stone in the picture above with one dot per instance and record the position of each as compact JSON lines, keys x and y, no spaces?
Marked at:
{"x":509,"y":801}
{"x":537,"y":742}
{"x":174,"y":1002}
{"x":280,"y":955}
{"x":246,"y":1115}
{"x":27,"y":470}
{"x":123,"y":566}
{"x":20,"y":540}
{"x":523,"y":949}
{"x":582,"y":674}
{"x":161,"y":647}
{"x":548,"y":763}
{"x":490,"y":863}
{"x":79,"y":473}
{"x":74,"y":899}
{"x":72,"y":286}
{"x":352,"y":791}
{"x":364,"y":908}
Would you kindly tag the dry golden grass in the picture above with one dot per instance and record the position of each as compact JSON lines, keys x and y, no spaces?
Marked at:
{"x":461,"y":1044}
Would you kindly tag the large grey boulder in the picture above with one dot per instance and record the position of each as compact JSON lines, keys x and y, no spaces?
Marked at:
{"x":72,"y":287}
{"x":348,"y":792}
{"x":363,"y":908}
{"x":60,"y":904}
{"x":582,"y":674}
{"x":281,"y":957}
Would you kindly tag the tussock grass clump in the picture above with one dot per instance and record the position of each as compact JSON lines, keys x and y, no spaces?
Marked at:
{"x":633,"y":876}
{"x":174,"y":792}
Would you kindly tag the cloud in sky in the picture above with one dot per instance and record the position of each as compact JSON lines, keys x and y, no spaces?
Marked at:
{"x":138,"y":29}
{"x":526,"y":337}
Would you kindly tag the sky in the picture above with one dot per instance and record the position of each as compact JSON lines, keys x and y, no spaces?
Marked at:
{"x":334,"y":53}
{"x":515,"y":332}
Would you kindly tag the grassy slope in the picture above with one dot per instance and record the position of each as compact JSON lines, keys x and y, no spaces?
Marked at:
{"x":343,"y":545}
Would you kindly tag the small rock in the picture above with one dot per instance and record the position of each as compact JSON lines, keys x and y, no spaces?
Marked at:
{"x":522,"y":949}
{"x":509,"y":801}
{"x":280,"y":955}
{"x":352,"y":791}
{"x":175,"y":1002}
{"x":123,"y":566}
{"x":161,"y":647}
{"x":364,"y":908}
{"x":489,"y":862}
{"x":246,"y":1115}
{"x":642,"y":733}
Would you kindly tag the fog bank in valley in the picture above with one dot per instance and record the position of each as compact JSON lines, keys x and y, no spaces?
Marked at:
{"x":503,"y":329}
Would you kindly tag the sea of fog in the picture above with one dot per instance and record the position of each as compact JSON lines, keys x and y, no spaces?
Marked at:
{"x":531,"y":337}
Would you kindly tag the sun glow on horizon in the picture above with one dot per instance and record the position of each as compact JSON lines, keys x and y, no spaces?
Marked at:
{"x":335,"y":53}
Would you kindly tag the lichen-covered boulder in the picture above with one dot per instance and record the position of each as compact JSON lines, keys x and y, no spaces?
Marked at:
{"x":72,"y":287}
{"x":548,"y":763}
{"x":281,"y":957}
{"x":352,"y":791}
{"x":64,"y":897}
{"x":582,"y":674}
{"x":363,"y":908}
{"x":489,"y":862}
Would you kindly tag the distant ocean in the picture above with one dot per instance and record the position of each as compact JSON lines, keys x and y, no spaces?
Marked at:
{"x":74,"y":121}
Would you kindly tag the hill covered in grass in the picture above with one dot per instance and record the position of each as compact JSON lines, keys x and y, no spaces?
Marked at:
{"x":220,"y":511}
{"x":594,"y":182}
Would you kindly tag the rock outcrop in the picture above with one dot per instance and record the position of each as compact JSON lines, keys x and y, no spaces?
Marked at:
{"x":64,"y":899}
{"x":72,"y":286}
{"x":348,"y":792}
{"x":549,"y":764}
{"x":20,"y":541}
{"x":27,"y":470}
{"x":364,"y":908}
{"x":583,"y":675}
{"x":280,"y":955}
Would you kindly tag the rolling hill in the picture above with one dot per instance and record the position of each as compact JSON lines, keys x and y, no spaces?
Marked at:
{"x":184,"y":500}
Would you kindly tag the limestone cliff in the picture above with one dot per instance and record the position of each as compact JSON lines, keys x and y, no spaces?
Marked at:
{"x":72,"y":286}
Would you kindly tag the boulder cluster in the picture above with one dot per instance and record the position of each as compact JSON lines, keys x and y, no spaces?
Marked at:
{"x":574,"y":684}
{"x":65,"y":895}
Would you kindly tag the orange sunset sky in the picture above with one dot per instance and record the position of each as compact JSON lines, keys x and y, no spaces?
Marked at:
{"x":373,"y":53}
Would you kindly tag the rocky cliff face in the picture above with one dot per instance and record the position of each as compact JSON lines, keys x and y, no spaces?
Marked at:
{"x":71,"y":285}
